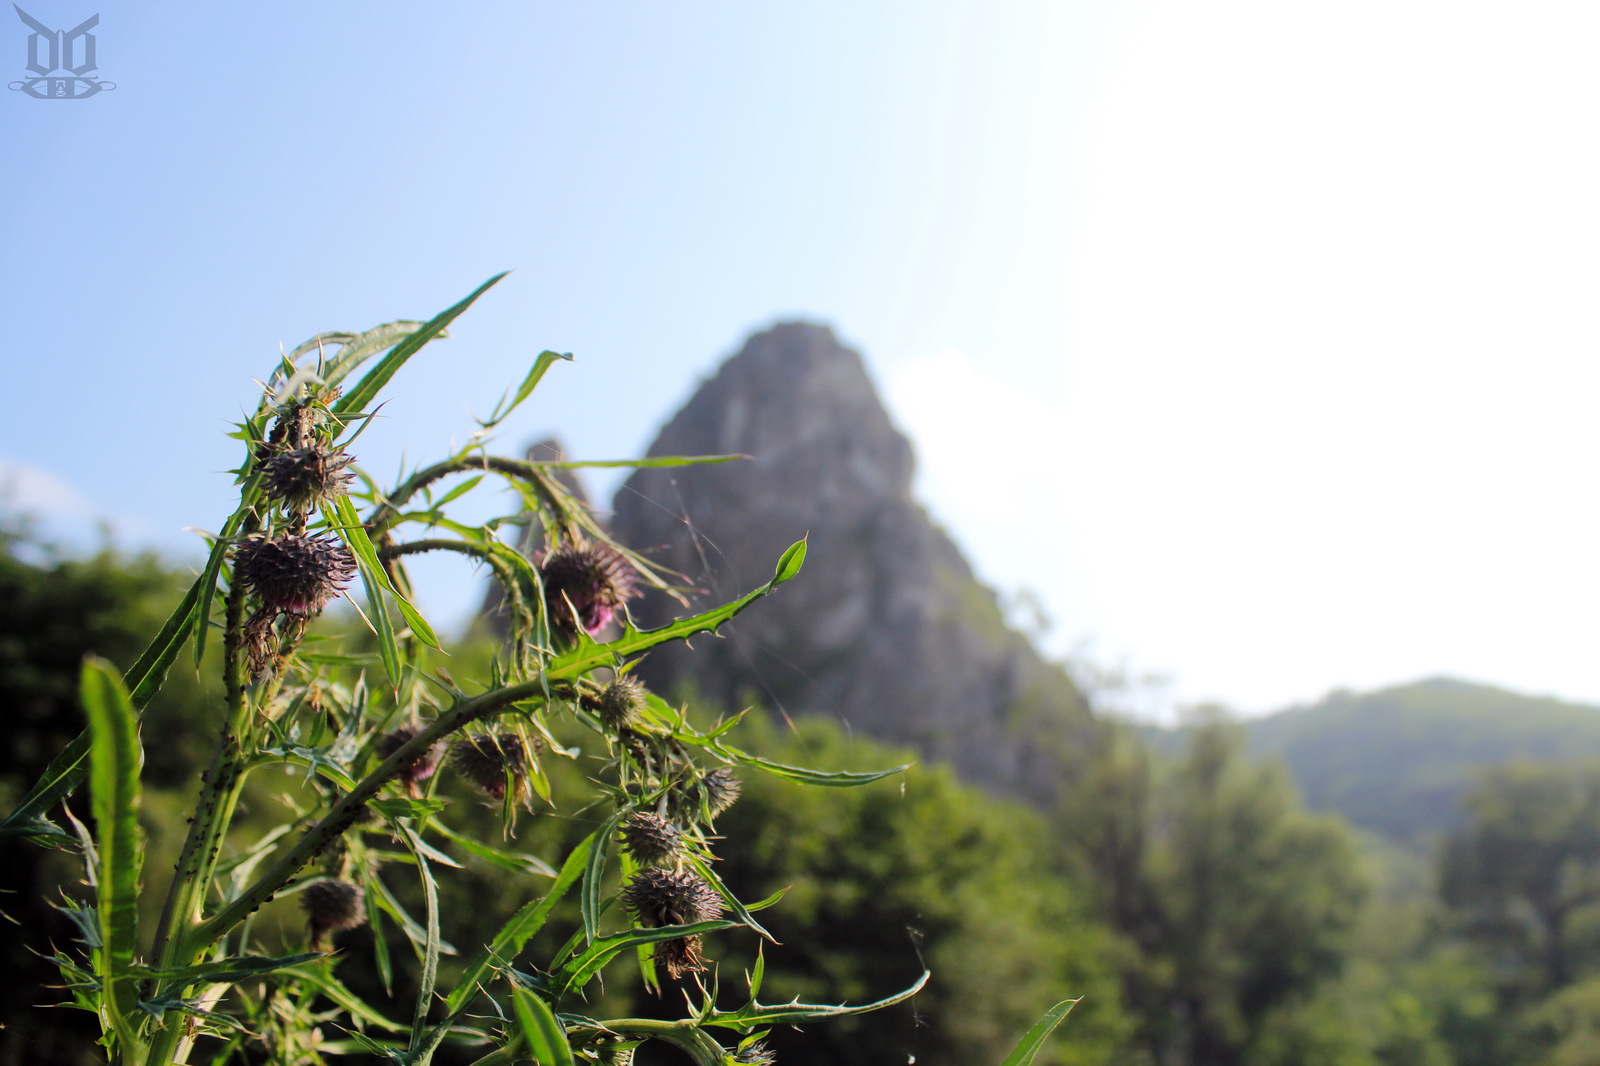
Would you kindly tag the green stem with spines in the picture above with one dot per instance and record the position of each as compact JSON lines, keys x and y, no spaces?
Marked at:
{"x":219,"y":794}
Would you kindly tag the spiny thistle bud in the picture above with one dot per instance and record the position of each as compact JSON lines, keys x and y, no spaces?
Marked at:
{"x":651,"y":839}
{"x":584,"y":587}
{"x":756,"y":1054}
{"x":487,"y":760}
{"x":302,"y":478}
{"x":721,"y":790}
{"x":293,"y":575}
{"x":671,"y":897}
{"x":620,"y":704}
{"x":332,"y":906}
{"x":416,"y":769}
{"x":690,"y":800}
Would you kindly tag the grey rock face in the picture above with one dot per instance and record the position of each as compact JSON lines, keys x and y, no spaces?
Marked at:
{"x":886,"y":627}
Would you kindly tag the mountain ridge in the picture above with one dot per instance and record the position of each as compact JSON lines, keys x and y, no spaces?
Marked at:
{"x":888,"y":628}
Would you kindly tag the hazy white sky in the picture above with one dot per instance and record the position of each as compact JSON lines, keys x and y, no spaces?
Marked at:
{"x":1255,"y":337}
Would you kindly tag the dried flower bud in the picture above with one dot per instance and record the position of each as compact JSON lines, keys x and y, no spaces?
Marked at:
{"x":681,"y":956}
{"x":294,"y":575}
{"x":620,"y":704}
{"x":417,"y":769}
{"x":671,"y":897}
{"x":302,"y":478}
{"x":488,"y":760}
{"x":651,"y":839}
{"x":584,"y":587}
{"x":332,"y":906}
{"x":298,"y":418}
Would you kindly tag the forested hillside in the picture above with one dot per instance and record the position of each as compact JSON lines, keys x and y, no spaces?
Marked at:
{"x":1398,"y":761}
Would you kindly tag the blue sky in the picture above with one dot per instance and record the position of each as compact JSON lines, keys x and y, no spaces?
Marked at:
{"x":1265,"y":325}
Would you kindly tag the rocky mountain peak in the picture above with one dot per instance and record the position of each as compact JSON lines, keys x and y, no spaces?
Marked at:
{"x":886,"y":628}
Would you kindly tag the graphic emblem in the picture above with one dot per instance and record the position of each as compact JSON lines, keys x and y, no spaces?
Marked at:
{"x":70,"y":51}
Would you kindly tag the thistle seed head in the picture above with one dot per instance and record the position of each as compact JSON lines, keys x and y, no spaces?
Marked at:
{"x":671,"y":897}
{"x":417,"y":769}
{"x":488,"y":759}
{"x":585,"y":586}
{"x":332,"y":906}
{"x":294,"y":575}
{"x":651,"y":839}
{"x":303,"y":478}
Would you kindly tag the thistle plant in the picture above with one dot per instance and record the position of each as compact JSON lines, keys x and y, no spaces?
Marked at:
{"x":371,"y":725}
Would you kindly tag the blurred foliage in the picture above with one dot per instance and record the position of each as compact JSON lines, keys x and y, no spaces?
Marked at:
{"x":885,"y":880}
{"x":56,"y":608}
{"x":1206,"y":918}
{"x":1398,"y":761}
{"x":1236,"y":903}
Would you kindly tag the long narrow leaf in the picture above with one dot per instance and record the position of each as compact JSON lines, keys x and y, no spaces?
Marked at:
{"x":753,"y":1014}
{"x":320,"y":976}
{"x":430,"y":956}
{"x":587,"y":654}
{"x":356,"y":349}
{"x":577,"y":971}
{"x":219,"y":554}
{"x":115,"y":760}
{"x":828,"y":778}
{"x":1035,"y":1037}
{"x":506,"y":405}
{"x":516,"y":932}
{"x":739,"y":910}
{"x":506,"y":860}
{"x":629,"y":464}
{"x":369,"y":387}
{"x":594,"y":874}
{"x":372,"y":572}
{"x":57,"y":782}
{"x":226,"y":971}
{"x":374,"y":579}
{"x":545,"y":1037}
{"x":147,"y":675}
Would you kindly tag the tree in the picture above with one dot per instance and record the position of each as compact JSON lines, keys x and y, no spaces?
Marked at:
{"x":1236,"y":901}
{"x":885,"y":879}
{"x":58,"y":609}
{"x":1524,"y":875}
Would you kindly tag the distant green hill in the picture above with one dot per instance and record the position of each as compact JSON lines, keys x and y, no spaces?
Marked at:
{"x":1397,"y":761}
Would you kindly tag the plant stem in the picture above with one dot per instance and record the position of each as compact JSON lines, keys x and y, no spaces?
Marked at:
{"x":389,"y":511}
{"x":685,"y":1035}
{"x":416,"y":547}
{"x":349,"y":807}
{"x":219,"y":793}
{"x":188,"y":889}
